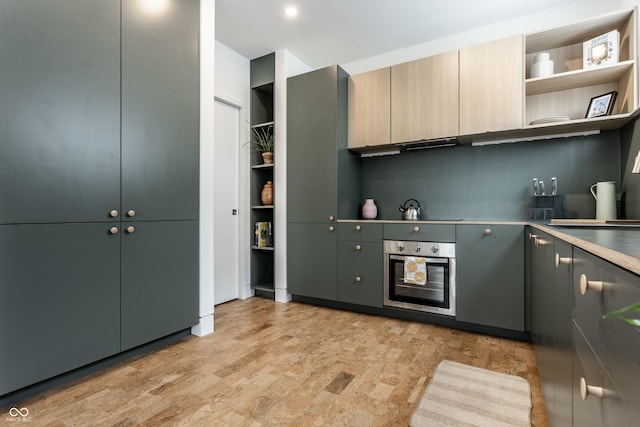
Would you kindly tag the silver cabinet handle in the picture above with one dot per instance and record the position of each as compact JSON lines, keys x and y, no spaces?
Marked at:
{"x":358,"y":228}
{"x":358,"y":247}
{"x":533,"y":236}
{"x":331,"y":228}
{"x":561,"y":260}
{"x":131,"y":229}
{"x":416,"y":229}
{"x":586,"y":390}
{"x":487,"y":231}
{"x":332,"y":218}
{"x":131,"y":213}
{"x":358,"y":279}
{"x":113,"y":230}
{"x":586,"y":284}
{"x":114,"y":213}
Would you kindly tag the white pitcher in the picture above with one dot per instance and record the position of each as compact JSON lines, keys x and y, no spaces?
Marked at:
{"x":605,"y":196}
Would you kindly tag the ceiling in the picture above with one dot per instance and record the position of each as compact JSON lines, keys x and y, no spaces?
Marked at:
{"x":341,"y":31}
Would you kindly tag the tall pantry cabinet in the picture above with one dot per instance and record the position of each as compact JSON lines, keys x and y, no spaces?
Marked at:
{"x":99,"y":119}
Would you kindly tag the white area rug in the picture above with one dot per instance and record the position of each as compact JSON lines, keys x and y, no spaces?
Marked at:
{"x":463,"y":395}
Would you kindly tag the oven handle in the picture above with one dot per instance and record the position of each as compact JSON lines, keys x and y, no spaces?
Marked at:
{"x":429,"y":260}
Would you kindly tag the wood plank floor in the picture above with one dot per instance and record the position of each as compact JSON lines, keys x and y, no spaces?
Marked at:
{"x":273,"y":364}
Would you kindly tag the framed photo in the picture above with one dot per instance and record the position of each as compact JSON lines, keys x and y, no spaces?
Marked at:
{"x":601,"y":105}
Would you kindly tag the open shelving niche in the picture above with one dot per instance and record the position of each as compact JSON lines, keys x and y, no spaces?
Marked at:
{"x":569,"y":90}
{"x":262,"y":117}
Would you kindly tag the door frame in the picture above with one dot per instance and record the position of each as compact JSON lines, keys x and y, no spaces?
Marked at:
{"x":244,"y":290}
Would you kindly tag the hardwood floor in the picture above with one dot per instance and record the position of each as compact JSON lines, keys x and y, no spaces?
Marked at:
{"x":276,"y":364}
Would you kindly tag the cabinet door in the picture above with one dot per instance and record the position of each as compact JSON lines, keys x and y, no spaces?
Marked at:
{"x":424,"y":98}
{"x":492,"y":86}
{"x":560,"y":333}
{"x":490,"y":275}
{"x":59,"y":299}
{"x":360,"y":273}
{"x":312,"y":169}
{"x":159,"y":280}
{"x":59,"y":110}
{"x":160,"y":111}
{"x":542,"y":283}
{"x":369,"y":108}
{"x":312,"y":261}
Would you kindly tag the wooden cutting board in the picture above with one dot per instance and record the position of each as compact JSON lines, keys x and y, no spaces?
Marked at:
{"x":586,"y":221}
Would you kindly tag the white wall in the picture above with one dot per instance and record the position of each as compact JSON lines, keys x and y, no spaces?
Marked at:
{"x":207,"y":58}
{"x":566,"y":14}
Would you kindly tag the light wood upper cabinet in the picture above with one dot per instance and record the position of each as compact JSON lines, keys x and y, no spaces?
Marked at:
{"x":492,"y":86}
{"x":424,"y":98}
{"x":369,"y":109}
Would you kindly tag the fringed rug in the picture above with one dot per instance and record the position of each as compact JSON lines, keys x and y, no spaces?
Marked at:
{"x":463,"y":395}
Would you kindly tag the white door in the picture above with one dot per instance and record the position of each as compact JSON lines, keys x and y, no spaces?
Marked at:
{"x":225,"y":212}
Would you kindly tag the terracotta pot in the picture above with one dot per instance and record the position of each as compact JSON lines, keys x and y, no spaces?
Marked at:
{"x":267,"y":158}
{"x":267,"y":194}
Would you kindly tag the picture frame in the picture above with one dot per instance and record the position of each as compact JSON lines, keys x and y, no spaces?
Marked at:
{"x":601,"y":105}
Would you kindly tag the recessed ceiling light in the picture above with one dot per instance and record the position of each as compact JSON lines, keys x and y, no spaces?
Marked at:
{"x":291,"y":11}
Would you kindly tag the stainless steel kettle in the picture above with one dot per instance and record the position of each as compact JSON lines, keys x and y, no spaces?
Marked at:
{"x":410,"y":211}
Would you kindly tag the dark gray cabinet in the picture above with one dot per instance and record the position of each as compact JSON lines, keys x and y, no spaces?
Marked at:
{"x":99,"y":132}
{"x":490,"y":275}
{"x":159,"y":280}
{"x":59,"y":110}
{"x":59,"y":299}
{"x":317,"y":154}
{"x":360,"y":262}
{"x":317,"y":160}
{"x":160,"y":111}
{"x":312,"y":260}
{"x":600,"y":287}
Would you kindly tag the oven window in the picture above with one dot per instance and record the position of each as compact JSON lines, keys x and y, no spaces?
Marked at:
{"x":433,"y":289}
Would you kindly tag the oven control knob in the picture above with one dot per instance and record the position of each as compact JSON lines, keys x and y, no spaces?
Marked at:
{"x":435,"y":249}
{"x":401,"y":247}
{"x":418,"y":248}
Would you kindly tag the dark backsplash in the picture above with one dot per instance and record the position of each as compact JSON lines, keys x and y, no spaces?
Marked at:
{"x":495,"y":181}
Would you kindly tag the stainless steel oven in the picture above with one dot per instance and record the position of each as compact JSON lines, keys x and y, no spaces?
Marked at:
{"x":420,"y":276}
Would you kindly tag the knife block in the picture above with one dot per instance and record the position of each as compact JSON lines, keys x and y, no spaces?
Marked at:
{"x":546,"y":207}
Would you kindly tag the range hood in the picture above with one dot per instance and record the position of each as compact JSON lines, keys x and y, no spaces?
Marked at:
{"x":431,"y":143}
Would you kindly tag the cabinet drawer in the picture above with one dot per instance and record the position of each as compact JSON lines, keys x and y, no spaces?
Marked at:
{"x":360,"y":231}
{"x":616,"y":343}
{"x":420,"y":232}
{"x":361,"y":289}
{"x":609,"y":410}
{"x":360,"y":258}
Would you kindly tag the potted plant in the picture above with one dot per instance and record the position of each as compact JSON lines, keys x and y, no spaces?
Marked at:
{"x":263,"y":140}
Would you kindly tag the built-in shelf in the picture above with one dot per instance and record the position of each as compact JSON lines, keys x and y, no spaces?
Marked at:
{"x":263,"y":166}
{"x":578,"y":78}
{"x":262,"y":258}
{"x":262,"y":125}
{"x":263,"y":248}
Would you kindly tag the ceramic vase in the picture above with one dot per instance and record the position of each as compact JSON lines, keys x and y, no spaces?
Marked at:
{"x":267,"y":193}
{"x":369,"y":209}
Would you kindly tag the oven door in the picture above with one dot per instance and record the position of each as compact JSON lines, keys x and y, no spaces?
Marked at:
{"x":434,"y":292}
